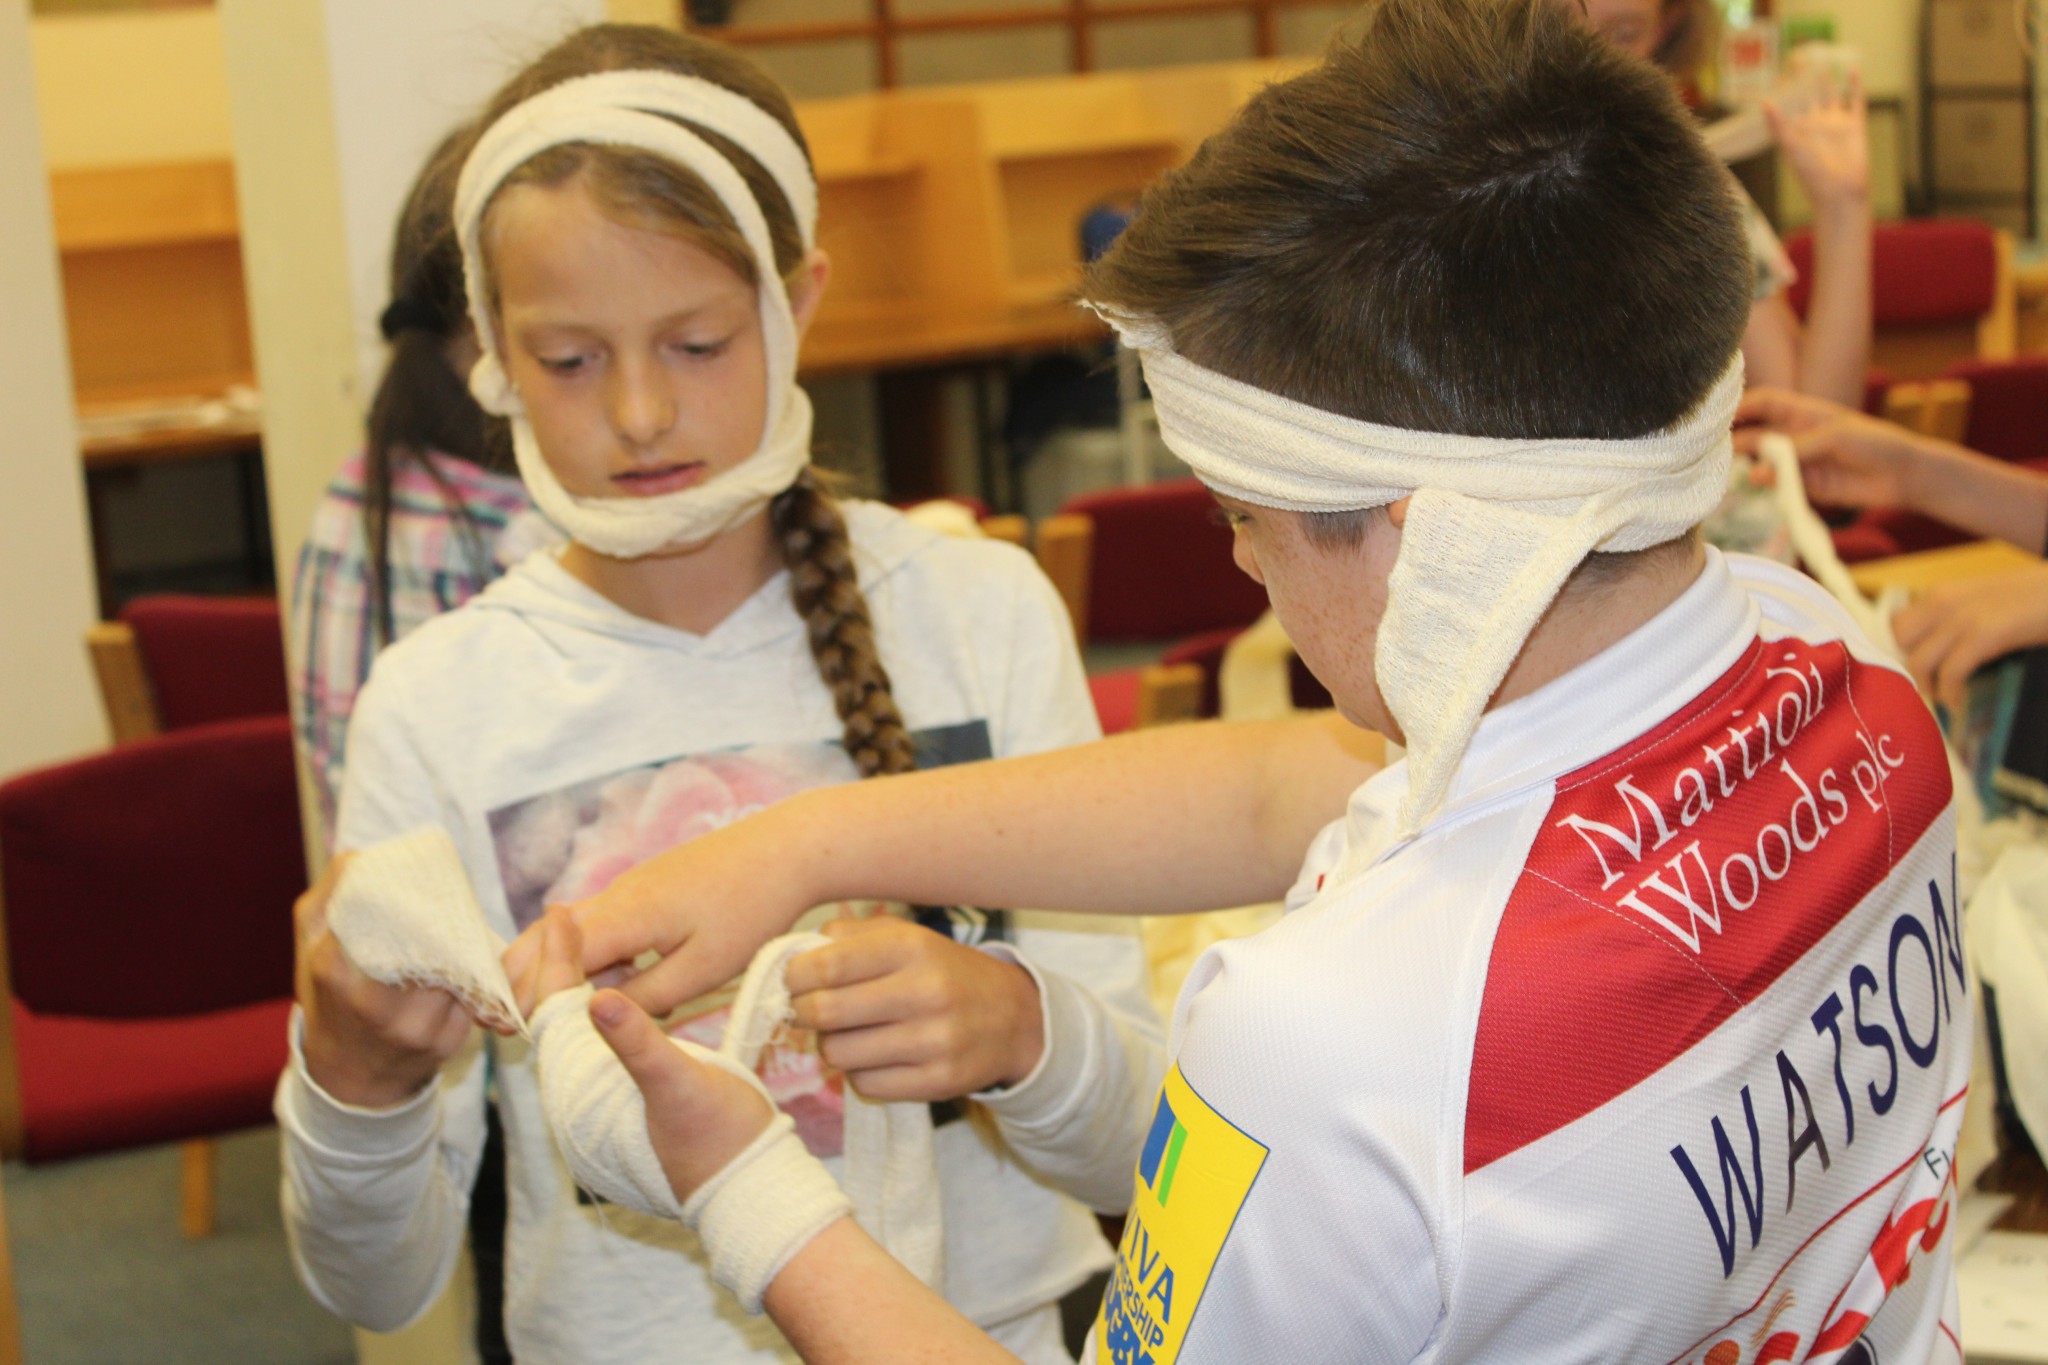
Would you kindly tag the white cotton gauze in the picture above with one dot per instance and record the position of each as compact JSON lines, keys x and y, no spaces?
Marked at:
{"x":1494,"y":526}
{"x":772,"y":1198}
{"x":1815,"y":546}
{"x":891,"y":1169}
{"x":405,"y":914}
{"x":647,"y":111}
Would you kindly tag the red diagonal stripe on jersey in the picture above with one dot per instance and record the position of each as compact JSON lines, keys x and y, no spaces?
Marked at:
{"x":1588,"y":992}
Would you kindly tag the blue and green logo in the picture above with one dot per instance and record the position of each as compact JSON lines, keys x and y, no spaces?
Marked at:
{"x":1156,"y":1164}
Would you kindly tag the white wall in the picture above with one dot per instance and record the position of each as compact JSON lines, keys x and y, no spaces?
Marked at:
{"x":403,"y":72}
{"x":48,"y":706}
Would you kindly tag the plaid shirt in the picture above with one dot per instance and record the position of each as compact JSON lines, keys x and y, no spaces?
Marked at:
{"x":436,"y":565}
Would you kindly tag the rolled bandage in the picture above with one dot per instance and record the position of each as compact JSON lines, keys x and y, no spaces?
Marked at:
{"x":1494,"y":526}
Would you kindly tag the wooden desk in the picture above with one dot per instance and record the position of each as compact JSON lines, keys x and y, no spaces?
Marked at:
{"x":1919,"y":571}
{"x":887,"y":338}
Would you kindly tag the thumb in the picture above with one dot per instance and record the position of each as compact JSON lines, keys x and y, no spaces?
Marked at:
{"x":661,"y":1070}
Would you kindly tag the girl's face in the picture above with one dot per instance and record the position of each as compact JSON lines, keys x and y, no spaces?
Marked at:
{"x":638,"y":355}
{"x":1634,"y":26}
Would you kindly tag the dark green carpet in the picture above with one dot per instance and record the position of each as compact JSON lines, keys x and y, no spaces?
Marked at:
{"x":104,"y":1277}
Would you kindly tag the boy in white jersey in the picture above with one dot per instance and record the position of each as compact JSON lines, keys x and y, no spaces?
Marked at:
{"x":1625,"y":1018}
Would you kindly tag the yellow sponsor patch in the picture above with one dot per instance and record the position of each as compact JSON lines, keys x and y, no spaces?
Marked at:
{"x":1193,"y":1176}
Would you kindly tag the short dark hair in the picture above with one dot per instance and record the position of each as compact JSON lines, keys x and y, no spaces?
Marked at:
{"x":1472,"y":217}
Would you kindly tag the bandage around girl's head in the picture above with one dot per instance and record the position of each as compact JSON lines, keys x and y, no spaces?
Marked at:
{"x":639,"y":109}
{"x":1494,"y":527}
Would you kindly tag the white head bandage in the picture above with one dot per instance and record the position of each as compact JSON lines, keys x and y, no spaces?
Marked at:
{"x":1493,"y":529}
{"x":638,"y":109}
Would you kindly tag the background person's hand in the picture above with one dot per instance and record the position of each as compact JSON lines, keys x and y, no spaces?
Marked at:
{"x":366,"y":1043}
{"x":908,"y":1014}
{"x":1823,"y":127}
{"x":1953,"y":629}
{"x":1849,"y":459}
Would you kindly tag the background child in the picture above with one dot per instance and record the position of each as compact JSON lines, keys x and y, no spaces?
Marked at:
{"x":410,"y":527}
{"x":1823,"y":130}
{"x":712,"y":640}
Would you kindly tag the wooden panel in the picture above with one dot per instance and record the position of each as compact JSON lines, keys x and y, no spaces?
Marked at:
{"x":1923,"y":570}
{"x":124,"y":682}
{"x":157,"y":320}
{"x":1045,"y":199}
{"x":143,"y":205}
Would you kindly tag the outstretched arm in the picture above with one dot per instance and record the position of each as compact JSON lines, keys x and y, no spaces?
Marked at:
{"x":1853,"y":460}
{"x":1824,"y":131}
{"x":1192,"y":817}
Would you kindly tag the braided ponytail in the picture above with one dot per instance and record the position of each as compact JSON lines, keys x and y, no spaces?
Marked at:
{"x":826,"y":591}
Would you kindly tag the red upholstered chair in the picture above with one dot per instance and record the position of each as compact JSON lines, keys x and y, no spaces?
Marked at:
{"x":1941,"y":291}
{"x":1159,"y":568}
{"x":176,"y":660}
{"x":147,"y":926}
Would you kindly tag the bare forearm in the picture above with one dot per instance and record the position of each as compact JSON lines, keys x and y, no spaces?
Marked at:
{"x":1190,"y":817}
{"x":1983,"y":496}
{"x":842,"y":1301}
{"x":1834,"y":353}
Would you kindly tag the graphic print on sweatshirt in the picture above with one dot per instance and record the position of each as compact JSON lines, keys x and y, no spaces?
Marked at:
{"x":562,"y":846}
{"x":1729,"y":983}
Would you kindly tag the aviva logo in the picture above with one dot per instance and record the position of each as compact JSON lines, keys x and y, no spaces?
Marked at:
{"x":1195,"y":1171}
{"x":1161,"y":1157}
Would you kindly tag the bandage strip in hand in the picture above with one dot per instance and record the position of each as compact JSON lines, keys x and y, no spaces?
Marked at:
{"x":639,"y":110}
{"x":1493,"y":529}
{"x":405,"y":914}
{"x":772,"y":1198}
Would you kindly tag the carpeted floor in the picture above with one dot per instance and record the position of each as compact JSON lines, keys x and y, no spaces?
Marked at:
{"x":104,"y":1277}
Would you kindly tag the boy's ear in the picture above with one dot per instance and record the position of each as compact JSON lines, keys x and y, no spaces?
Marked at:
{"x":1397,"y":512}
{"x":807,"y":289}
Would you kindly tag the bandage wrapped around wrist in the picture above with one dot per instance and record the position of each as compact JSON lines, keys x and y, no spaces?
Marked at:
{"x":760,"y":1209}
{"x":772,"y":1198}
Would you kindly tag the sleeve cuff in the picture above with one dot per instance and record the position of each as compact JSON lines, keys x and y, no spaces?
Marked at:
{"x":1045,"y":1095}
{"x":367,"y":1135}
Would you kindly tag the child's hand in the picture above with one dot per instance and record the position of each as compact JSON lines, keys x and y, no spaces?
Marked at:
{"x":1849,"y":459}
{"x":908,"y":1014}
{"x":1953,"y":629}
{"x":1824,"y":130}
{"x":557,"y":965}
{"x":706,"y":907}
{"x":699,"y":1117}
{"x":366,"y":1043}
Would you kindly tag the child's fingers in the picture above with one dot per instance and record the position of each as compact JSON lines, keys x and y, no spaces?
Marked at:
{"x":665,"y":1076}
{"x":560,"y":964}
{"x":858,"y":952}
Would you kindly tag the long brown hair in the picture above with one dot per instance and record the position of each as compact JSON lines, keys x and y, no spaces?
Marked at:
{"x":422,"y":406}
{"x":649,"y":191}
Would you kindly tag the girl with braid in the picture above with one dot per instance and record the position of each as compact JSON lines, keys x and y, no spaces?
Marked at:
{"x":720,"y":632}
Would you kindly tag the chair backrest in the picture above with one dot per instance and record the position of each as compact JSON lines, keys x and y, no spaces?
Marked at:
{"x":1941,"y":290}
{"x":1161,"y":565}
{"x":210,"y":658}
{"x":2008,"y":408}
{"x":156,"y":878}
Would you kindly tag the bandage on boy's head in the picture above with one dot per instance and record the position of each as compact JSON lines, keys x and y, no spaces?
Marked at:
{"x":1475,"y":258}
